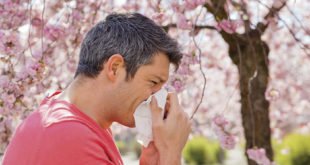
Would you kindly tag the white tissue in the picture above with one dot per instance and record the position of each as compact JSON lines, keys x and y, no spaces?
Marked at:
{"x":143,"y":117}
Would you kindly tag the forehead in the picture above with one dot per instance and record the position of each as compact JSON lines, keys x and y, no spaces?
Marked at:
{"x":159,"y":66}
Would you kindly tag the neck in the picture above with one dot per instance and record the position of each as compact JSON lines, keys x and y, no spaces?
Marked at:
{"x":84,"y":94}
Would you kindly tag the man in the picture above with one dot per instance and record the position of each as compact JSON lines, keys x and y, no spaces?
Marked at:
{"x":123,"y":61}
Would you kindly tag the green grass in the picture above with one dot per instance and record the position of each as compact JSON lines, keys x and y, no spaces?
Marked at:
{"x":293,"y":150}
{"x":200,"y":151}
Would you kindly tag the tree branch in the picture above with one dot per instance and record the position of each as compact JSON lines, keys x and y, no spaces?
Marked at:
{"x":200,"y":68}
{"x":297,"y":19}
{"x":246,"y":21}
{"x":217,"y":9}
{"x":197,"y":27}
{"x":273,"y":11}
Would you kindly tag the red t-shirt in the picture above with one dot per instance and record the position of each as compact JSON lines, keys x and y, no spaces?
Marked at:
{"x":57,"y":133}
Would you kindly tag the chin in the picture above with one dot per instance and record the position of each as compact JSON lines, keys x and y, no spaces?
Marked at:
{"x":128,"y":124}
{"x":131,"y":126}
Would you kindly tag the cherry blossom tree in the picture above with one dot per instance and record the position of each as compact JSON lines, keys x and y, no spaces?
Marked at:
{"x":257,"y":48}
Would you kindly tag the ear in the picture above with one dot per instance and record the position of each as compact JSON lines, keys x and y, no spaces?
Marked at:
{"x":113,"y":66}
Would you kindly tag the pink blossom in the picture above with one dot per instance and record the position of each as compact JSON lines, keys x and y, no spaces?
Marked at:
{"x":186,"y":61}
{"x":190,"y":58}
{"x":184,"y":70}
{"x":192,"y":4}
{"x":8,"y":100}
{"x":4,"y":81}
{"x":228,"y":26}
{"x":40,"y":88}
{"x":259,"y":156}
{"x":71,"y":65}
{"x":76,"y":15}
{"x":201,"y":2}
{"x":158,"y":18}
{"x":9,"y":124}
{"x":13,"y":15}
{"x":53,"y":32}
{"x":176,"y":7}
{"x":177,"y":84}
{"x":219,"y":131}
{"x":272,"y":94}
{"x":2,"y":128}
{"x":31,"y":71}
{"x":21,"y":75}
{"x":1,"y":35}
{"x":182,"y":23}
{"x":220,"y":120}
{"x":36,"y":21}
{"x":32,"y":68}
{"x":131,"y":6}
{"x":10,"y":44}
{"x":11,"y":98}
{"x":278,"y":3}
{"x":227,"y":141}
{"x":37,"y":55}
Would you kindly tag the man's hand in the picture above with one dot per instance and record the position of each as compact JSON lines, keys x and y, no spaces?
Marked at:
{"x":149,"y":155}
{"x":171,"y":134}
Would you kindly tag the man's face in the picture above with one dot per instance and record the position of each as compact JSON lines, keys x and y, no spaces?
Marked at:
{"x":148,"y":80}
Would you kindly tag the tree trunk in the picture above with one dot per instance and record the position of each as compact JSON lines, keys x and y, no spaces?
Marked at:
{"x":250,"y":56}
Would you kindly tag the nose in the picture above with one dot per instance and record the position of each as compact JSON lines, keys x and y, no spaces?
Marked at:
{"x":155,"y":90}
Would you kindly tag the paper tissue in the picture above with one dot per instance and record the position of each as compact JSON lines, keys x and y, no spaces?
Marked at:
{"x":143,"y":117}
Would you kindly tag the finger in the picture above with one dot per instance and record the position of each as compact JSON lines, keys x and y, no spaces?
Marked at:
{"x":167,"y":107}
{"x":190,"y":125}
{"x":155,"y":111}
{"x":174,"y":102}
{"x":168,"y":95}
{"x":186,"y":116}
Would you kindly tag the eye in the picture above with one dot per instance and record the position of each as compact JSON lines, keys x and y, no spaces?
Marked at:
{"x":154,"y":82}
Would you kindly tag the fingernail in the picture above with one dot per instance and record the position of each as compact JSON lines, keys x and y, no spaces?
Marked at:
{"x":153,"y":98}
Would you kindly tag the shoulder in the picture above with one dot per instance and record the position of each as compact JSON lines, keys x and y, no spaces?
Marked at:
{"x":72,"y":131}
{"x":73,"y":141}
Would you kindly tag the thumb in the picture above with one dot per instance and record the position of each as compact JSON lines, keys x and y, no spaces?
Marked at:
{"x":155,"y":111}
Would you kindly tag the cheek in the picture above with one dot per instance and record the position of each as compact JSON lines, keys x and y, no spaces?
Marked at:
{"x":148,"y":93}
{"x":145,"y":91}
{"x":140,"y":96}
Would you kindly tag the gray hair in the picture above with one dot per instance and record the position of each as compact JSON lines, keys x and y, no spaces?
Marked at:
{"x":134,"y":36}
